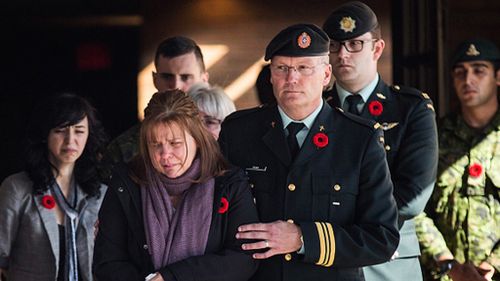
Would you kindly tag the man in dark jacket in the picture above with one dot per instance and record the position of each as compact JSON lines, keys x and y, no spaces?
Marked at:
{"x":319,"y":176}
{"x":407,"y":118}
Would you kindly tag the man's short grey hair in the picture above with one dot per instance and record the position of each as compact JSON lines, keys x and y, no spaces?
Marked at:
{"x":211,"y":100}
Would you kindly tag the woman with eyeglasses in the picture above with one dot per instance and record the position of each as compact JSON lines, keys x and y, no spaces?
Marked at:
{"x":173,"y":212}
{"x":48,"y":213}
{"x":214,"y":105}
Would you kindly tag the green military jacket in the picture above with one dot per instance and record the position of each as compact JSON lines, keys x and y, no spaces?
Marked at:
{"x":463,"y":215}
{"x":121,"y":149}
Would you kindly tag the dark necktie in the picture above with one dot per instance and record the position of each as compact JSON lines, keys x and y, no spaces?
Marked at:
{"x":293,"y":145}
{"x":353,"y":101}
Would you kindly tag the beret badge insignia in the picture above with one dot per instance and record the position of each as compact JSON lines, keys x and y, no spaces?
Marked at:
{"x":472,"y":51}
{"x":304,"y":40}
{"x":347,"y":24}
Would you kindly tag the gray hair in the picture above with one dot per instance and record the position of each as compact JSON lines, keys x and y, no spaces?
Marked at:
{"x":211,"y":100}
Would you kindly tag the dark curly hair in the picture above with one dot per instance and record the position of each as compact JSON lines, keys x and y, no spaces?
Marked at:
{"x":58,"y":111}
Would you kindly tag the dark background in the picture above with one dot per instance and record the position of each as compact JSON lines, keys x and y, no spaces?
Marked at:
{"x":97,"y":48}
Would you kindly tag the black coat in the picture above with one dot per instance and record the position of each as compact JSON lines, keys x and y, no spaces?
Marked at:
{"x":339,"y":195}
{"x":410,"y":133}
{"x":121,"y":252}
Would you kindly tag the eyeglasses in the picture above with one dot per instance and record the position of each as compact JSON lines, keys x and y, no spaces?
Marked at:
{"x":211,"y":122}
{"x":283,"y":70}
{"x":352,"y":46}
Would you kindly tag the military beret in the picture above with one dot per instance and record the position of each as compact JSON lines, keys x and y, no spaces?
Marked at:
{"x":350,"y":20}
{"x":476,"y":49}
{"x":299,"y":40}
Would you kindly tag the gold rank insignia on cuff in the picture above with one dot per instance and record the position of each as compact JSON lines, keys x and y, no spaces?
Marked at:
{"x":326,"y":244}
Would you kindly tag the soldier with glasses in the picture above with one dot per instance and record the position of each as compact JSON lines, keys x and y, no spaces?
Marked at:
{"x":406,"y":116}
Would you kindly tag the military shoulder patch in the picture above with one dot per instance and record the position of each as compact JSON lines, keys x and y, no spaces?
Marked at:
{"x":410,"y":91}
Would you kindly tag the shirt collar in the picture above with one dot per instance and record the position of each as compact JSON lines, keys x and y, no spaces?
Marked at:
{"x":364,"y":93}
{"x":308,"y":121}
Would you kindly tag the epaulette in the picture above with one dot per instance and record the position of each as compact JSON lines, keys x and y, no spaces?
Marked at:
{"x":410,"y":91}
{"x":414,"y":92}
{"x":244,"y":112}
{"x":365,"y":122}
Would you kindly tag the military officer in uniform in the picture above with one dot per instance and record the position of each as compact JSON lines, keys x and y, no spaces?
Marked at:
{"x":460,"y":236}
{"x":319,"y":175}
{"x":407,"y":118}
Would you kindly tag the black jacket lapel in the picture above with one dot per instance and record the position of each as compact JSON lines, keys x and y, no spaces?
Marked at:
{"x":322,"y":124}
{"x":275,"y":137}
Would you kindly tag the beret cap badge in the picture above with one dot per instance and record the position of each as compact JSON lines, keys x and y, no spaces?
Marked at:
{"x":347,"y":24}
{"x":476,"y":49}
{"x":472,"y":51}
{"x":304,"y":40}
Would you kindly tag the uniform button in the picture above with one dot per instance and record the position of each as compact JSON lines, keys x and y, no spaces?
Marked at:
{"x":145,"y":246}
{"x":387,"y":147}
{"x":120,"y":189}
{"x":288,"y":257}
{"x":291,"y":187}
{"x":336,"y":187}
{"x":251,"y":185}
{"x":397,"y":87}
{"x":289,"y":221}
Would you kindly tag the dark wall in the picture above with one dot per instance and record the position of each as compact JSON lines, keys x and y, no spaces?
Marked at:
{"x":41,"y":57}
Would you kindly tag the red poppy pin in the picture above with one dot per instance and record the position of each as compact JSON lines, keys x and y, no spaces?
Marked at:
{"x":475,"y":170}
{"x":48,"y":201}
{"x":224,"y":205}
{"x":376,"y":108}
{"x":320,"y":140}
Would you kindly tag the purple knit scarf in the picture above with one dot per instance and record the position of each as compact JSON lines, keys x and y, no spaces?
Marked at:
{"x":171,"y":234}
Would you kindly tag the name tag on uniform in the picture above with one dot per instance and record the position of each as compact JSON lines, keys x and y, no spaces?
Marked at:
{"x":256,"y":169}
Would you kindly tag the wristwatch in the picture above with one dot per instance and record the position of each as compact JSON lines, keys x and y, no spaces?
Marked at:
{"x":444,"y":268}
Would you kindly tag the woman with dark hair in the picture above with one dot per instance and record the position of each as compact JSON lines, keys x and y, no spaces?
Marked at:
{"x":48,"y":212}
{"x":173,"y":212}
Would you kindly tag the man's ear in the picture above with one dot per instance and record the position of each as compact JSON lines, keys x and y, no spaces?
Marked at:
{"x":328,"y":75}
{"x":379,"y":46}
{"x":155,"y":79}
{"x":205,"y":76}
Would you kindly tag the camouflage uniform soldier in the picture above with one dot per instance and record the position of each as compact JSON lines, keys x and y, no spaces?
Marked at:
{"x":460,"y":236}
{"x":179,"y":65}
